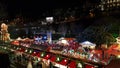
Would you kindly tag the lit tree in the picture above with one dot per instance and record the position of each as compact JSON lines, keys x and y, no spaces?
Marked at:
{"x":98,"y":35}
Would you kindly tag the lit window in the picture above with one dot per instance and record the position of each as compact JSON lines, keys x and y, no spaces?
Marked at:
{"x":118,"y":4}
{"x":114,"y":0}
{"x":113,"y":4}
{"x":108,"y":1}
{"x":110,"y":5}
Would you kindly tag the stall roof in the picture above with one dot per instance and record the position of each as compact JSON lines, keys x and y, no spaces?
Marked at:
{"x":64,"y":61}
{"x":88,"y":43}
{"x":72,"y":64}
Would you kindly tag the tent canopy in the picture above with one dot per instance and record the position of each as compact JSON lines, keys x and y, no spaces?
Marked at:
{"x":88,"y":43}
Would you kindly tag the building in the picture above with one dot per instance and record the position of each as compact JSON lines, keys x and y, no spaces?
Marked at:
{"x":107,"y":5}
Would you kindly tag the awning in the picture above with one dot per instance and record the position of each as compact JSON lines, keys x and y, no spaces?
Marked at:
{"x":89,"y":66}
{"x":21,"y":50}
{"x":47,"y":56}
{"x":38,"y":54}
{"x":72,"y":64}
{"x":53,"y":59}
{"x":64,"y":61}
{"x":34,"y":54}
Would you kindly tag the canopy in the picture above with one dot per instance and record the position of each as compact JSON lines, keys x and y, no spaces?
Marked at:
{"x":53,"y":58}
{"x":89,"y":66}
{"x":88,"y":44}
{"x":72,"y":64}
{"x":19,"y":38}
{"x":64,"y":61}
{"x":47,"y":56}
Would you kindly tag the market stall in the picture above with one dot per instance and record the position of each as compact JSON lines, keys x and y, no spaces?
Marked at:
{"x":88,"y":44}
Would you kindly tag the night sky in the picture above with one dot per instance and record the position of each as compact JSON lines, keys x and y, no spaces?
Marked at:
{"x":36,"y":7}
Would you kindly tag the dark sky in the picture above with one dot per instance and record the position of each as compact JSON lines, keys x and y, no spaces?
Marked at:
{"x":36,"y":7}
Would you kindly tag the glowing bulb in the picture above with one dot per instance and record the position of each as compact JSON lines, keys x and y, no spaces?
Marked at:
{"x":42,"y":54}
{"x":65,"y":60}
{"x":58,"y":59}
{"x":5,"y":48}
{"x":47,"y":55}
{"x":26,"y":50}
{"x":64,"y":41}
{"x":39,"y":59}
{"x":17,"y":48}
{"x":30,"y":51}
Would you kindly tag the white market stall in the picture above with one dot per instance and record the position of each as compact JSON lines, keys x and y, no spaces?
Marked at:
{"x":88,"y":44}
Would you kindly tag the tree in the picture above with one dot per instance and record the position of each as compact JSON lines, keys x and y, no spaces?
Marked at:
{"x":98,"y":35}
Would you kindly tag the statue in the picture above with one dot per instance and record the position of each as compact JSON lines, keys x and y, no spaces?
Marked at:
{"x":5,"y":36}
